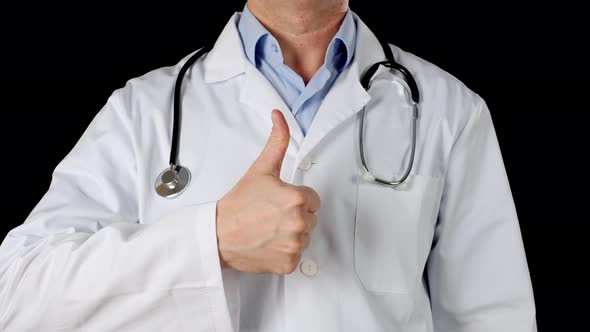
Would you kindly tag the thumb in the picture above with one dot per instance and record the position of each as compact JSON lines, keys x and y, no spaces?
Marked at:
{"x":270,"y":160}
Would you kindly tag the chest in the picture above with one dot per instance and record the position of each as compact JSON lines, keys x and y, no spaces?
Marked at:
{"x":222,"y":134}
{"x":380,"y":234}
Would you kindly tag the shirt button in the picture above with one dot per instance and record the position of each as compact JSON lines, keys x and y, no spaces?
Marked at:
{"x":305,"y":164}
{"x":309,"y":267}
{"x":275,"y":48}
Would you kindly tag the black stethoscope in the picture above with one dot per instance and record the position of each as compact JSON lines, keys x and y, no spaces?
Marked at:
{"x":173,"y":180}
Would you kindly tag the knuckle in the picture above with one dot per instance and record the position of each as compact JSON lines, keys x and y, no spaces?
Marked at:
{"x":294,"y":258}
{"x":289,"y":264}
{"x":299,"y":226}
{"x":313,"y":221}
{"x":314,"y":194}
{"x":289,"y":267}
{"x":278,"y":269}
{"x":285,"y":268}
{"x":294,"y":247}
{"x":278,"y":138}
{"x":306,"y":240}
{"x":298,"y":198}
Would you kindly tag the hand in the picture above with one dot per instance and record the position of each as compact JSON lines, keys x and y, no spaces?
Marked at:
{"x":263,"y":223}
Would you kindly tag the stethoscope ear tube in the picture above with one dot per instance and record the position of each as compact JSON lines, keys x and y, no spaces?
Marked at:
{"x":391,"y":63}
{"x":407,"y":76}
{"x":415,"y":94}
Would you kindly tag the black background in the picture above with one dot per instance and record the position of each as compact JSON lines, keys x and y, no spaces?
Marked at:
{"x":526,"y":62}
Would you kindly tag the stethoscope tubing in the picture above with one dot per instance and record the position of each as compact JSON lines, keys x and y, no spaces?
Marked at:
{"x":393,"y":183}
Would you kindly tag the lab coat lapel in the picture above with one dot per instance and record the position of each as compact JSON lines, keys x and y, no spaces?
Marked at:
{"x":258,"y":94}
{"x":227,"y":60}
{"x":346,"y":96}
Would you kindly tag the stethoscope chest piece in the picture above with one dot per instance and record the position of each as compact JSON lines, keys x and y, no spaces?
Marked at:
{"x":172,"y":181}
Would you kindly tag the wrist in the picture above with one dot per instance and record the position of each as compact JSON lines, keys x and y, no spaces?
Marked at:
{"x":219,"y":233}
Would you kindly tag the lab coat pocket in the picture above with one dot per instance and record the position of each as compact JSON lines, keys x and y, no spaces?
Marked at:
{"x":393,"y":232}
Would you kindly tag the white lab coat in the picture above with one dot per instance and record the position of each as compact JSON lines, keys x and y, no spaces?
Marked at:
{"x":102,"y":252}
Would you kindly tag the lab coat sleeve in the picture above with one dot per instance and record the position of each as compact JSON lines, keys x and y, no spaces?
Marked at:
{"x":477,"y":269}
{"x":83,"y":261}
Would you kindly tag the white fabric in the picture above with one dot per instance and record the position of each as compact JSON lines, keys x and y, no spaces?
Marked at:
{"x":102,"y":252}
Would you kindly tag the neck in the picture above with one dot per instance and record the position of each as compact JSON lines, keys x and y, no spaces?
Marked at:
{"x":303,"y":28}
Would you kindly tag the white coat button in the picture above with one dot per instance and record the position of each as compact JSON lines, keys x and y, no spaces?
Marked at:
{"x":305,"y":164}
{"x":309,"y":267}
{"x":275,"y":48}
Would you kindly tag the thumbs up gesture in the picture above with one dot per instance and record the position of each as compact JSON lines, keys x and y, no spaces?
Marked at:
{"x":263,"y":223}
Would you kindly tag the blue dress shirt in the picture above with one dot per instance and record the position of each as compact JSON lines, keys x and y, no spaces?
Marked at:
{"x":263,"y":51}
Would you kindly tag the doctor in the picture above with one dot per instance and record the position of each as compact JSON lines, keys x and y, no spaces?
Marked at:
{"x":279,"y":228}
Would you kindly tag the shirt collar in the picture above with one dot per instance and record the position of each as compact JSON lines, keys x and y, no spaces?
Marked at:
{"x":346,"y":37}
{"x":252,"y":32}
